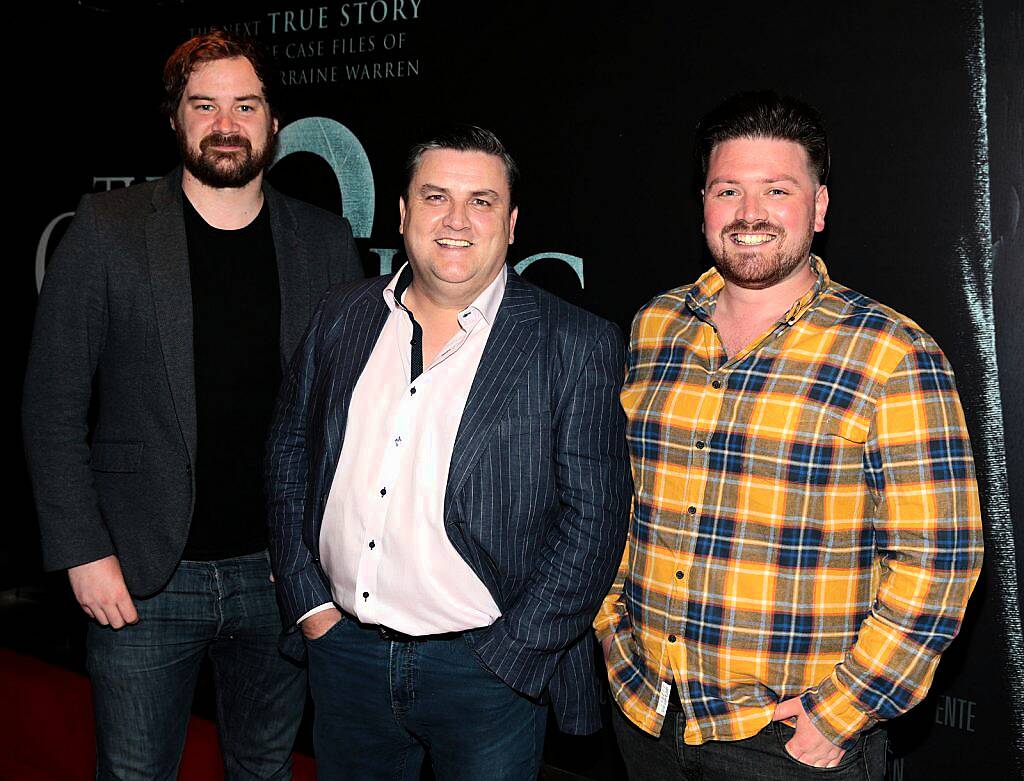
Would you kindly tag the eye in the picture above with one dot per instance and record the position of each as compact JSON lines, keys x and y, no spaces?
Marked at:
{"x":777,"y":191}
{"x":728,"y":192}
{"x":482,"y":203}
{"x":204,"y":107}
{"x":246,"y":109}
{"x":434,"y":198}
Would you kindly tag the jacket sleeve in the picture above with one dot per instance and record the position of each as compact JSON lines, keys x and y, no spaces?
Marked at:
{"x":928,"y":535}
{"x":345,"y":263}
{"x":300,"y":583}
{"x":67,"y":341}
{"x":580,"y":553}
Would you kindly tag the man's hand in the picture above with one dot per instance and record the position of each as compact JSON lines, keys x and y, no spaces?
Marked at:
{"x":319,"y":624}
{"x":807,"y":744}
{"x":100,"y":590}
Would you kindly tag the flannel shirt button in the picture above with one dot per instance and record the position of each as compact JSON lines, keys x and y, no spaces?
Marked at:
{"x":716,"y":384}
{"x":679,"y":574}
{"x":691,"y":510}
{"x":671,"y":638}
{"x":700,"y":444}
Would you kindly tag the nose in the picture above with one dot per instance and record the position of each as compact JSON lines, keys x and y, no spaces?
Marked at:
{"x":751,"y":209}
{"x":225,"y":123}
{"x":456,"y":216}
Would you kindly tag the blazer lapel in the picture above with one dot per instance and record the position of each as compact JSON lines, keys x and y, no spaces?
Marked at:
{"x":292,"y":274}
{"x":352,"y":338}
{"x":167,"y":251}
{"x":512,"y":342}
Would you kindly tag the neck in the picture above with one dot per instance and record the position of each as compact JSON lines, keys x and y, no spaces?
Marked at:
{"x":228,"y":208}
{"x":765,"y":303}
{"x":439,"y":301}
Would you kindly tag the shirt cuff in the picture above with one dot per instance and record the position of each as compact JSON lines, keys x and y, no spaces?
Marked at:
{"x":835,"y":713}
{"x":314,"y":611}
{"x":610,"y":620}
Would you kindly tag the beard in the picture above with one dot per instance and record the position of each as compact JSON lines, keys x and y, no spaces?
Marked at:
{"x":225,"y":169}
{"x":759,"y":267}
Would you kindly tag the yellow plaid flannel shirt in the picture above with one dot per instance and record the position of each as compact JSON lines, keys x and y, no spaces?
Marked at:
{"x":806,"y":519}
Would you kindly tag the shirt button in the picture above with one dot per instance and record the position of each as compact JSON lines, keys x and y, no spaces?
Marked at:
{"x":691,"y":510}
{"x":671,"y":638}
{"x":700,"y":444}
{"x":412,"y":391}
{"x":679,"y":574}
{"x":383,"y":491}
{"x":716,"y":384}
{"x":372,"y":545}
{"x":366,"y":595}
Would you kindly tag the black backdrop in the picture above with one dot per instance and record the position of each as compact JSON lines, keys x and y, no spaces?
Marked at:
{"x":598,"y":100}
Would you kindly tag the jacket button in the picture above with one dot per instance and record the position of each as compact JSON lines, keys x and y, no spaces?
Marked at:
{"x":188,"y":469}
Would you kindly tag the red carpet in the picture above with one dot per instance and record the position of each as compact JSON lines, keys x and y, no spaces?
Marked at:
{"x":47,"y":732}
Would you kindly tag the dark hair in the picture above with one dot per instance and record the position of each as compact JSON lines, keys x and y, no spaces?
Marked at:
{"x":214,"y":45}
{"x":463,"y":138}
{"x":764,"y":115}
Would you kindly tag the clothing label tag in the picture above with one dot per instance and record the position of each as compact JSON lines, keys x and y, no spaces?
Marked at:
{"x":663,"y":695}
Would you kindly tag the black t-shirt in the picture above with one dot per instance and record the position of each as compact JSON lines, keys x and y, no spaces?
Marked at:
{"x":236,"y":313}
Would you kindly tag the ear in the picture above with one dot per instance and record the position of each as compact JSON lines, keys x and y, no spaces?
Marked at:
{"x":401,"y":214}
{"x":274,"y":125}
{"x":820,"y":207}
{"x":512,"y":225}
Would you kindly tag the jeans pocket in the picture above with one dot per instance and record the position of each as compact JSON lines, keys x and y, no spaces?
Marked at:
{"x":320,"y":640}
{"x":783,"y":733}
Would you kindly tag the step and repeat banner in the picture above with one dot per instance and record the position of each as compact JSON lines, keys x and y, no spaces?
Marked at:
{"x":597,"y":101}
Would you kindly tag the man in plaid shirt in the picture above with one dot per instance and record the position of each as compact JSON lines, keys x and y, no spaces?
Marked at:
{"x":806,"y":529}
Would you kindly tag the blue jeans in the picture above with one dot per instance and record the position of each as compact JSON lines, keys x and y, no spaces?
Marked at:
{"x":144,"y":675}
{"x":762,"y":757}
{"x":382,"y":706}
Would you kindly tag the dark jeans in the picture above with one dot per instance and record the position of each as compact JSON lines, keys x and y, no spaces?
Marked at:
{"x":381,"y":706}
{"x":144,"y":676}
{"x":762,"y":757}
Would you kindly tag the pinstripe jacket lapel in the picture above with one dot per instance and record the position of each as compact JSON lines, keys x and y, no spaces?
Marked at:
{"x":351,"y":339}
{"x":512,"y":342}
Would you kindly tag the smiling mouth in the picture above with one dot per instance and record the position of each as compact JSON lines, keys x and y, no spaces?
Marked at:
{"x":458,"y":243}
{"x":752,"y":239}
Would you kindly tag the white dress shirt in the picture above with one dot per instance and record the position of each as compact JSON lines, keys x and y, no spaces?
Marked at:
{"x":383,"y":543}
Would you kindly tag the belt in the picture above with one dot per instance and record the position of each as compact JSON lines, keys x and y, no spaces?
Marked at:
{"x":387,"y":633}
{"x":394,"y":636}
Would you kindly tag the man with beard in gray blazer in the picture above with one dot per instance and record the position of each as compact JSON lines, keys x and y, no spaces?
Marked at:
{"x":172,"y":309}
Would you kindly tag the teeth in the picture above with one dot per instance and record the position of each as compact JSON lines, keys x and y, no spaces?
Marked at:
{"x":752,"y":238}
{"x":454,"y":243}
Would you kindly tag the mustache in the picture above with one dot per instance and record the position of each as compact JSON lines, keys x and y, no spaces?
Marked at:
{"x":763,"y":226}
{"x":222,"y":139}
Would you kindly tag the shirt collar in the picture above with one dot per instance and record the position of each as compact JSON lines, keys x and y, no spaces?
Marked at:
{"x":703,"y":294}
{"x":486,"y":304}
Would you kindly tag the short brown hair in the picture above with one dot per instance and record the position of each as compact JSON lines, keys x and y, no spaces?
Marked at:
{"x":764,"y":115}
{"x":463,"y":138}
{"x":214,"y":45}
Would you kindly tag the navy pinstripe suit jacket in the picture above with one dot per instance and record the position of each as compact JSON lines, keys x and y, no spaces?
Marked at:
{"x":538,"y":492}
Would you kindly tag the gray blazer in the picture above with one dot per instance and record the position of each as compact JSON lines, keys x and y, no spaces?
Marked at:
{"x":113,"y":338}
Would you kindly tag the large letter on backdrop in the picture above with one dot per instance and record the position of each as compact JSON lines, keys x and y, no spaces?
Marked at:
{"x":339,"y":147}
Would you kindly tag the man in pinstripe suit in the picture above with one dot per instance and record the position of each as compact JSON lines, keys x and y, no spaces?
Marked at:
{"x":449,"y":488}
